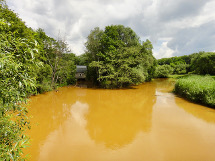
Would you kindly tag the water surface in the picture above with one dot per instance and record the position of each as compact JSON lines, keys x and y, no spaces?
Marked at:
{"x":146,"y":122}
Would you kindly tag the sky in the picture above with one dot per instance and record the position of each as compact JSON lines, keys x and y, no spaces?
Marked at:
{"x":175,"y":27}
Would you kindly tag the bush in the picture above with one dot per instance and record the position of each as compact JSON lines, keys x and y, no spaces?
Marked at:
{"x":15,"y":85}
{"x":200,"y":89}
{"x":162,"y":71}
{"x":180,"y":69}
{"x":203,"y":63}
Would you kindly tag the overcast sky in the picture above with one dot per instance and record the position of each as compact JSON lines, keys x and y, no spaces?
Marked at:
{"x":175,"y":27}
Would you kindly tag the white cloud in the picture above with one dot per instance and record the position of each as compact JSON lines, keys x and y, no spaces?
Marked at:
{"x":164,"y":51}
{"x":180,"y":21}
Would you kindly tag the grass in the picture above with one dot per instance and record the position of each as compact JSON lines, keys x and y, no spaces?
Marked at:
{"x":196,"y":88}
{"x":177,"y":76}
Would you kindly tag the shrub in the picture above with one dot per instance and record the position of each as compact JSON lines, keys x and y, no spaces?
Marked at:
{"x":203,"y":63}
{"x":200,"y":89}
{"x":162,"y":71}
{"x":180,"y":69}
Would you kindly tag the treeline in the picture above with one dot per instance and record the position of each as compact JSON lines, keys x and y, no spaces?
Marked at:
{"x":117,"y":58}
{"x":198,"y":63}
{"x":30,"y":62}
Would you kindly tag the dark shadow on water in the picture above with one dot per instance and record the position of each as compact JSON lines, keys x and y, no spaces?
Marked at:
{"x":87,"y":84}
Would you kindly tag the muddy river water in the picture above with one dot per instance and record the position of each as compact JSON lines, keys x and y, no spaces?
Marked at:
{"x":143,"y":123}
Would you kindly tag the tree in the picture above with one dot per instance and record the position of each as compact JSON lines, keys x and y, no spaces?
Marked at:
{"x":58,"y":63}
{"x":203,"y":63}
{"x":163,"y":71}
{"x":179,"y":68}
{"x":149,"y":63}
{"x":93,"y":44}
{"x":82,"y":59}
{"x":121,"y":59}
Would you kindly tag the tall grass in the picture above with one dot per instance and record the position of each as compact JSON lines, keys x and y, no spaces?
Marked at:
{"x":200,"y":89}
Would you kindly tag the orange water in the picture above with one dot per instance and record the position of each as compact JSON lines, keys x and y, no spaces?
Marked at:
{"x":144,"y":123}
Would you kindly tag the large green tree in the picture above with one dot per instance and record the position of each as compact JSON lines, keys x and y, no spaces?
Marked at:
{"x":117,"y":58}
{"x":203,"y":63}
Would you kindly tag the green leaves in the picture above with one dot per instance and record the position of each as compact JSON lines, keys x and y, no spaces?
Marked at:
{"x":196,"y":88}
{"x":120,"y":60}
{"x":18,"y":55}
{"x":203,"y":63}
{"x":198,"y":63}
{"x":30,"y":62}
{"x":15,"y":84}
{"x":163,"y":71}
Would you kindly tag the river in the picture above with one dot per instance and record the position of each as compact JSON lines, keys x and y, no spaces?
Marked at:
{"x":142,"y":123}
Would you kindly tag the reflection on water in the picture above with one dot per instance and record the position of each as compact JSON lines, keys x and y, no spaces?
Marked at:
{"x":117,"y":116}
{"x":78,"y":111}
{"x":202,"y":112}
{"x":144,"y":123}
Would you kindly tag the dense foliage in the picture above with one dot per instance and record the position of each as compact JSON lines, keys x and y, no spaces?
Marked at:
{"x":200,"y":89}
{"x":58,"y":65}
{"x":117,"y":58}
{"x":198,"y":63}
{"x":163,"y":71}
{"x":16,"y":63}
{"x":203,"y":63}
{"x":30,"y":63}
{"x":195,"y":88}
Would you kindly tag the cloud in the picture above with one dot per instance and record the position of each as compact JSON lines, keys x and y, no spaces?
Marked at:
{"x":163,"y":50}
{"x":193,"y":39}
{"x":172,"y":10}
{"x":177,"y":27}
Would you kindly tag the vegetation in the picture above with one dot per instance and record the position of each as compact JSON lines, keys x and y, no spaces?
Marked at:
{"x":58,"y":65}
{"x":177,"y":76}
{"x":117,"y":58}
{"x":203,"y":63}
{"x":30,"y":63}
{"x":197,"y":63}
{"x":15,"y":85}
{"x":163,"y":71}
{"x":200,"y":89}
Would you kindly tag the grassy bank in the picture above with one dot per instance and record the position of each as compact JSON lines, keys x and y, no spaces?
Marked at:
{"x":200,"y":89}
{"x":177,"y":76}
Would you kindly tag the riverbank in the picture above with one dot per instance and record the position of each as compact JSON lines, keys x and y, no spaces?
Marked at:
{"x":196,"y":88}
{"x":177,"y":76}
